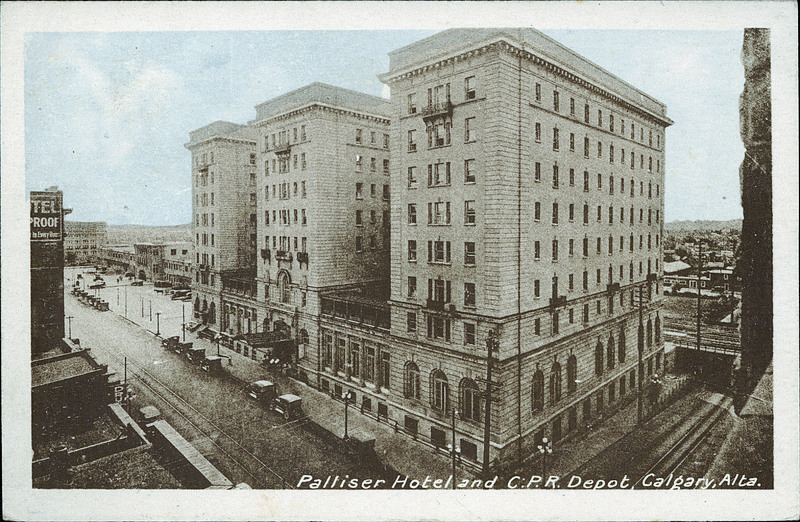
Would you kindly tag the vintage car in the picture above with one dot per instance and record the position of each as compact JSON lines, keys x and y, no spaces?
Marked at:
{"x":262,"y":391}
{"x":137,"y":283}
{"x":196,"y":354}
{"x":182,"y":347}
{"x":290,"y":406}
{"x":212,"y":364}
{"x":170,"y":342}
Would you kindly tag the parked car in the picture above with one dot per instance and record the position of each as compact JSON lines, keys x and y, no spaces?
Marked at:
{"x":262,"y":391}
{"x":137,"y":283}
{"x":169,"y":343}
{"x":212,"y":364}
{"x":100,"y":284}
{"x":196,"y":354}
{"x":180,"y":294}
{"x":289,"y":405}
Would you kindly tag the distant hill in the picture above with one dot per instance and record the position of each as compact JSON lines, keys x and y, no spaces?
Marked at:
{"x":687,"y":226}
{"x":130,"y":234}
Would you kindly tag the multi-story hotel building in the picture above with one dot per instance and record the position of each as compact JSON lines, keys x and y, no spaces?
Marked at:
{"x":527,"y":214}
{"x":323,"y":205}
{"x":526,"y":192}
{"x":83,"y":241}
{"x":223,"y":214}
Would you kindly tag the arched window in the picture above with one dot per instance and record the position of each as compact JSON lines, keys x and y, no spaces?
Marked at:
{"x":471,"y":405}
{"x":212,"y":313}
{"x":572,"y":374}
{"x":622,"y":343}
{"x":658,"y":329}
{"x":598,"y":358}
{"x":411,"y":386}
{"x":440,"y":392}
{"x":555,"y":383}
{"x":611,"y":357}
{"x":283,"y":287}
{"x":205,"y":305}
{"x":649,"y":332}
{"x":197,"y":304}
{"x":303,"y":336}
{"x":537,"y":391}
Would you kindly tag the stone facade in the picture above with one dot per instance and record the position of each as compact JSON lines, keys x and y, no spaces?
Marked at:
{"x":178,"y":263}
{"x":552,"y":170}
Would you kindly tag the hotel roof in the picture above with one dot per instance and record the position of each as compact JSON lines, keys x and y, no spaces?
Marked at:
{"x":455,"y":41}
{"x":322,"y":93}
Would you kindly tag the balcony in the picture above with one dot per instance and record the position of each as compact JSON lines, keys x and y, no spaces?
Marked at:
{"x":302,"y":257}
{"x":361,"y":309}
{"x":203,"y":267}
{"x":652,"y":277}
{"x":612,"y":287}
{"x":266,"y":254}
{"x":437,"y":305}
{"x":283,"y":255}
{"x":240,"y":282}
{"x":282,"y":149}
{"x":557,"y":301}
{"x":437,"y":110}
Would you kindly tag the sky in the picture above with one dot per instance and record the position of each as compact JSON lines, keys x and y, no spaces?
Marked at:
{"x":107,"y":114}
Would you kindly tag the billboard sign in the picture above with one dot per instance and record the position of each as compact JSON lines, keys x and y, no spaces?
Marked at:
{"x":47,"y":216}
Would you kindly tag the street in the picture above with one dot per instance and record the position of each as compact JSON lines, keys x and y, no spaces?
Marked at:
{"x":246,"y":441}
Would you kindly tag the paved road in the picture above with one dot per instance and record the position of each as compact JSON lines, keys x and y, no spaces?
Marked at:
{"x":247,"y":442}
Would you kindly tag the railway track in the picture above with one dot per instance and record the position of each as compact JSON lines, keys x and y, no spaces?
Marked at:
{"x":273,"y":481}
{"x":672,"y":460}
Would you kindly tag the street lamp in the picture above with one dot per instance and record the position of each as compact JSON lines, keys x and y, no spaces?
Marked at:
{"x":158,"y":323}
{"x":216,"y":338}
{"x":347,"y":397}
{"x":545,"y":448}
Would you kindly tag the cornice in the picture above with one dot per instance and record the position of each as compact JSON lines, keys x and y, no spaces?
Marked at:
{"x":320,"y":106}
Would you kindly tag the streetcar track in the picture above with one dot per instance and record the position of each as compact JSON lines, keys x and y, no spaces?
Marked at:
{"x":202,"y":416}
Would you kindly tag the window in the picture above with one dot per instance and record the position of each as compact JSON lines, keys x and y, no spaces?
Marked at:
{"x":572,"y":106}
{"x":586,"y":147}
{"x":412,"y":213}
{"x":537,"y":326}
{"x":555,"y":213}
{"x":439,"y":213}
{"x":599,"y":117}
{"x":469,"y":253}
{"x":411,"y":322}
{"x":537,"y":211}
{"x":469,"y":171}
{"x":537,"y":172}
{"x":469,"y":129}
{"x":440,"y":399}
{"x":611,"y":122}
{"x":412,"y":250}
{"x":359,"y":246}
{"x":611,"y":356}
{"x":412,"y":177}
{"x":555,"y":250}
{"x":469,"y":294}
{"x":572,"y":142}
{"x":536,"y":250}
{"x":412,"y":285}
{"x":571,"y":212}
{"x":412,"y":104}
{"x":555,"y":384}
{"x":555,"y":101}
{"x":469,"y":88}
{"x":439,"y":174}
{"x":373,"y":164}
{"x":599,"y":149}
{"x":538,"y":93}
{"x":571,"y":177}
{"x":386,"y":166}
{"x":386,"y":146}
{"x":386,"y":192}
{"x":469,"y":333}
{"x":586,"y":181}
{"x":538,"y":132}
{"x":412,"y":145}
{"x":598,"y":359}
{"x":411,"y":386}
{"x":586,"y":113}
{"x":471,"y":407}
{"x":359,"y":135}
{"x":537,"y":391}
{"x":555,"y":176}
{"x":359,"y":221}
{"x":469,"y":212}
{"x":536,"y":289}
{"x":572,"y":374}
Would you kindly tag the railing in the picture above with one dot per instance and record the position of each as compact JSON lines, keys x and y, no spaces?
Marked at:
{"x":265,"y":254}
{"x":557,"y":301}
{"x":282,"y":148}
{"x":375,"y":315}
{"x":283,"y":255}
{"x":302,"y":257}
{"x":436,"y":110}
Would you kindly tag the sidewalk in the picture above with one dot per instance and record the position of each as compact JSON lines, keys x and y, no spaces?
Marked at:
{"x":397,"y":450}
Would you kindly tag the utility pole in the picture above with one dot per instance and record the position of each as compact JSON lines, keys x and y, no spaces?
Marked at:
{"x":453,"y":449}
{"x":69,"y":321}
{"x":699,"y":275}
{"x":126,"y":301}
{"x":158,"y":323}
{"x":640,"y":346}
{"x":490,"y":346}
{"x":183,"y":326}
{"x":142,"y":300}
{"x":151,"y":310}
{"x":125,"y":385}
